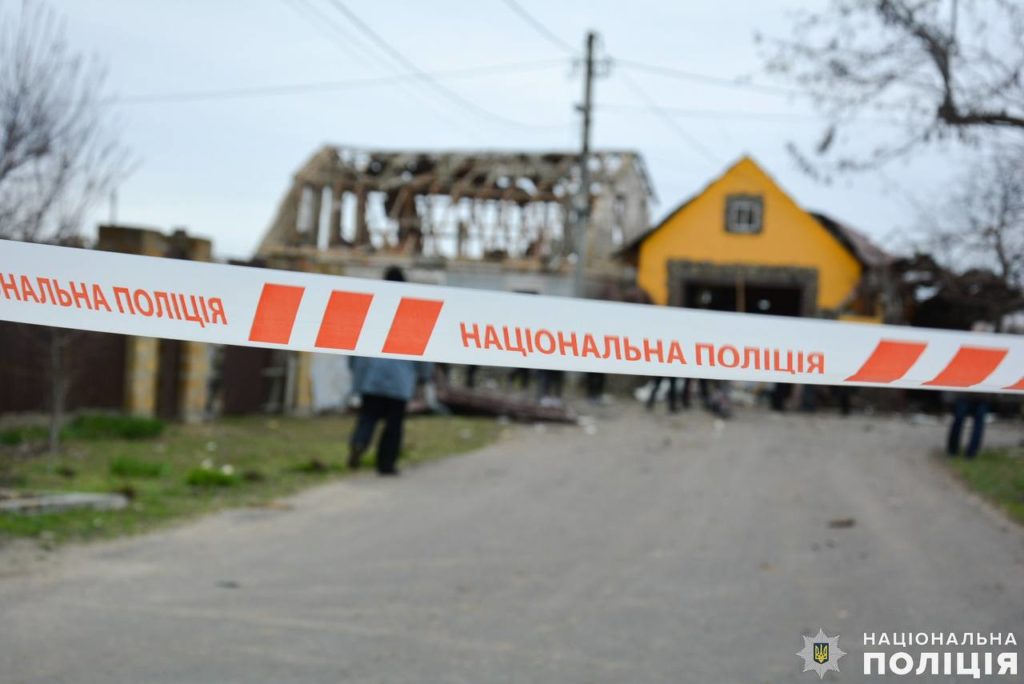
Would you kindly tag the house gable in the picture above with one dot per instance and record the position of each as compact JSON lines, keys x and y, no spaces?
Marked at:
{"x":783,"y":235}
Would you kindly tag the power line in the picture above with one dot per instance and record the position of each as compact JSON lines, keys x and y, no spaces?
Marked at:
{"x":652,"y":105}
{"x":352,"y":44}
{"x":538,"y":26}
{"x":744,"y":114}
{"x":421,"y":75}
{"x":554,"y":39}
{"x":331,"y":29}
{"x":673,"y":72}
{"x":293,"y":88}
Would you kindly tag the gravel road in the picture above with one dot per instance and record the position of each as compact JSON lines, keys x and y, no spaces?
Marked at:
{"x":643,"y":549}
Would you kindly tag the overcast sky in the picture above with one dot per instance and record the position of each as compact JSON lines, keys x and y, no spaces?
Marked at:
{"x":220,"y":166}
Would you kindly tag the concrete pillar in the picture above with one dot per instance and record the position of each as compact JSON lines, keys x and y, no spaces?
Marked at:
{"x":316,"y":194}
{"x":141,"y":372}
{"x":194,"y":378}
{"x":302,"y":384}
{"x":334,"y":238}
{"x":362,"y":232}
{"x":195,"y":381}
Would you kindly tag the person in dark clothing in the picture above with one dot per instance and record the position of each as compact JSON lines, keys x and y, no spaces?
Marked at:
{"x":651,"y":400}
{"x":974,"y":406}
{"x":551,"y":382}
{"x":702,"y":387}
{"x":385,"y":386}
{"x":595,"y":387}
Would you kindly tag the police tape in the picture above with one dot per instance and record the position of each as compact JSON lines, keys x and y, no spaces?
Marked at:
{"x":222,"y":304}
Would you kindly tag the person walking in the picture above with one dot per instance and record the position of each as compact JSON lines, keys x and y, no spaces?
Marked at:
{"x":670,"y":395}
{"x":385,"y":387}
{"x":973,"y":405}
{"x":965,"y":405}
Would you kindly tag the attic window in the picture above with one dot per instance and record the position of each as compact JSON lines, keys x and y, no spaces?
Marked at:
{"x":743,"y":214}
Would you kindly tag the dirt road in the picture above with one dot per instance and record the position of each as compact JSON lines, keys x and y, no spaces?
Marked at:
{"x":653,"y":549}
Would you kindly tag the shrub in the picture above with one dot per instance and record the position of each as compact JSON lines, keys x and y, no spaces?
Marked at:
{"x":207,"y":477}
{"x":20,"y":435}
{"x":313,"y":466}
{"x":126,"y":466}
{"x":103,"y":426}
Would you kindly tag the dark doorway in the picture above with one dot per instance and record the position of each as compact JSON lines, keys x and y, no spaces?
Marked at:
{"x":777,"y":301}
{"x":774,"y":300}
{"x":713,"y":297}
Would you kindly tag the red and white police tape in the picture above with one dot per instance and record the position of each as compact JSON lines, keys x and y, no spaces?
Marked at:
{"x":221,"y":304}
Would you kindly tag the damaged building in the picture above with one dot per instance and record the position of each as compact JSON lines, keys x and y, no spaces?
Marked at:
{"x":498,"y":220}
{"x":488,"y":219}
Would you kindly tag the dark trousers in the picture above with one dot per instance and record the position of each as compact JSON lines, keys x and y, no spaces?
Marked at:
{"x":551,"y":383}
{"x":595,"y":385}
{"x":520,"y":375}
{"x":373,"y":409}
{"x":671,"y":394}
{"x":702,"y":387}
{"x":963,"y":407}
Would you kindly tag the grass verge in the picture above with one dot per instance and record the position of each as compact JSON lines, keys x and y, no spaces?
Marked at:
{"x":998,"y":475}
{"x":194,"y":469}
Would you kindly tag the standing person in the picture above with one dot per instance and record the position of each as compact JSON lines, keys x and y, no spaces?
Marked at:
{"x":969,"y":404}
{"x":652,"y":400}
{"x":702,"y":387}
{"x":964,"y":405}
{"x":385,"y":386}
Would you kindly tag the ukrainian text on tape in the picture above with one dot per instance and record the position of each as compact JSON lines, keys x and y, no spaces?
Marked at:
{"x":221,"y":304}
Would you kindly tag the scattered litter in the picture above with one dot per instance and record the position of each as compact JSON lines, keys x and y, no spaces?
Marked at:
{"x":274,"y":505}
{"x":211,"y":446}
{"x":590,"y":429}
{"x":229,"y":584}
{"x":466,"y":433}
{"x":841,"y":523}
{"x":719,"y":425}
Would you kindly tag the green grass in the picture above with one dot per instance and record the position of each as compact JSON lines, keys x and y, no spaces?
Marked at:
{"x":130,"y":466}
{"x":181,"y":473}
{"x":20,"y":435}
{"x":998,"y":475}
{"x":105,"y":426}
{"x":88,"y":426}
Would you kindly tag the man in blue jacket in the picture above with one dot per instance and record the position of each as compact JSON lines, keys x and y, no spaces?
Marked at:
{"x":385,"y":386}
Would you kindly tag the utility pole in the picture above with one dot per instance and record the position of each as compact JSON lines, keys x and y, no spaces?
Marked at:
{"x":582,"y":201}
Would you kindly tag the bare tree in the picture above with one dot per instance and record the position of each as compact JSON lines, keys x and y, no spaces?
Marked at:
{"x":58,"y":152}
{"x":938,"y":69}
{"x":976,"y":234}
{"x":982,"y":220}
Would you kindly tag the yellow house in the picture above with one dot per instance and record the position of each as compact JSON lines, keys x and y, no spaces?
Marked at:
{"x":743,"y":244}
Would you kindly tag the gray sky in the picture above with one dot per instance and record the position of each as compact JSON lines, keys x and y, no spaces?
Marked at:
{"x":220,"y":166}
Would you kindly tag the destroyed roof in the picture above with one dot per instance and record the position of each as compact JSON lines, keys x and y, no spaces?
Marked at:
{"x":498,"y":174}
{"x":859,"y":244}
